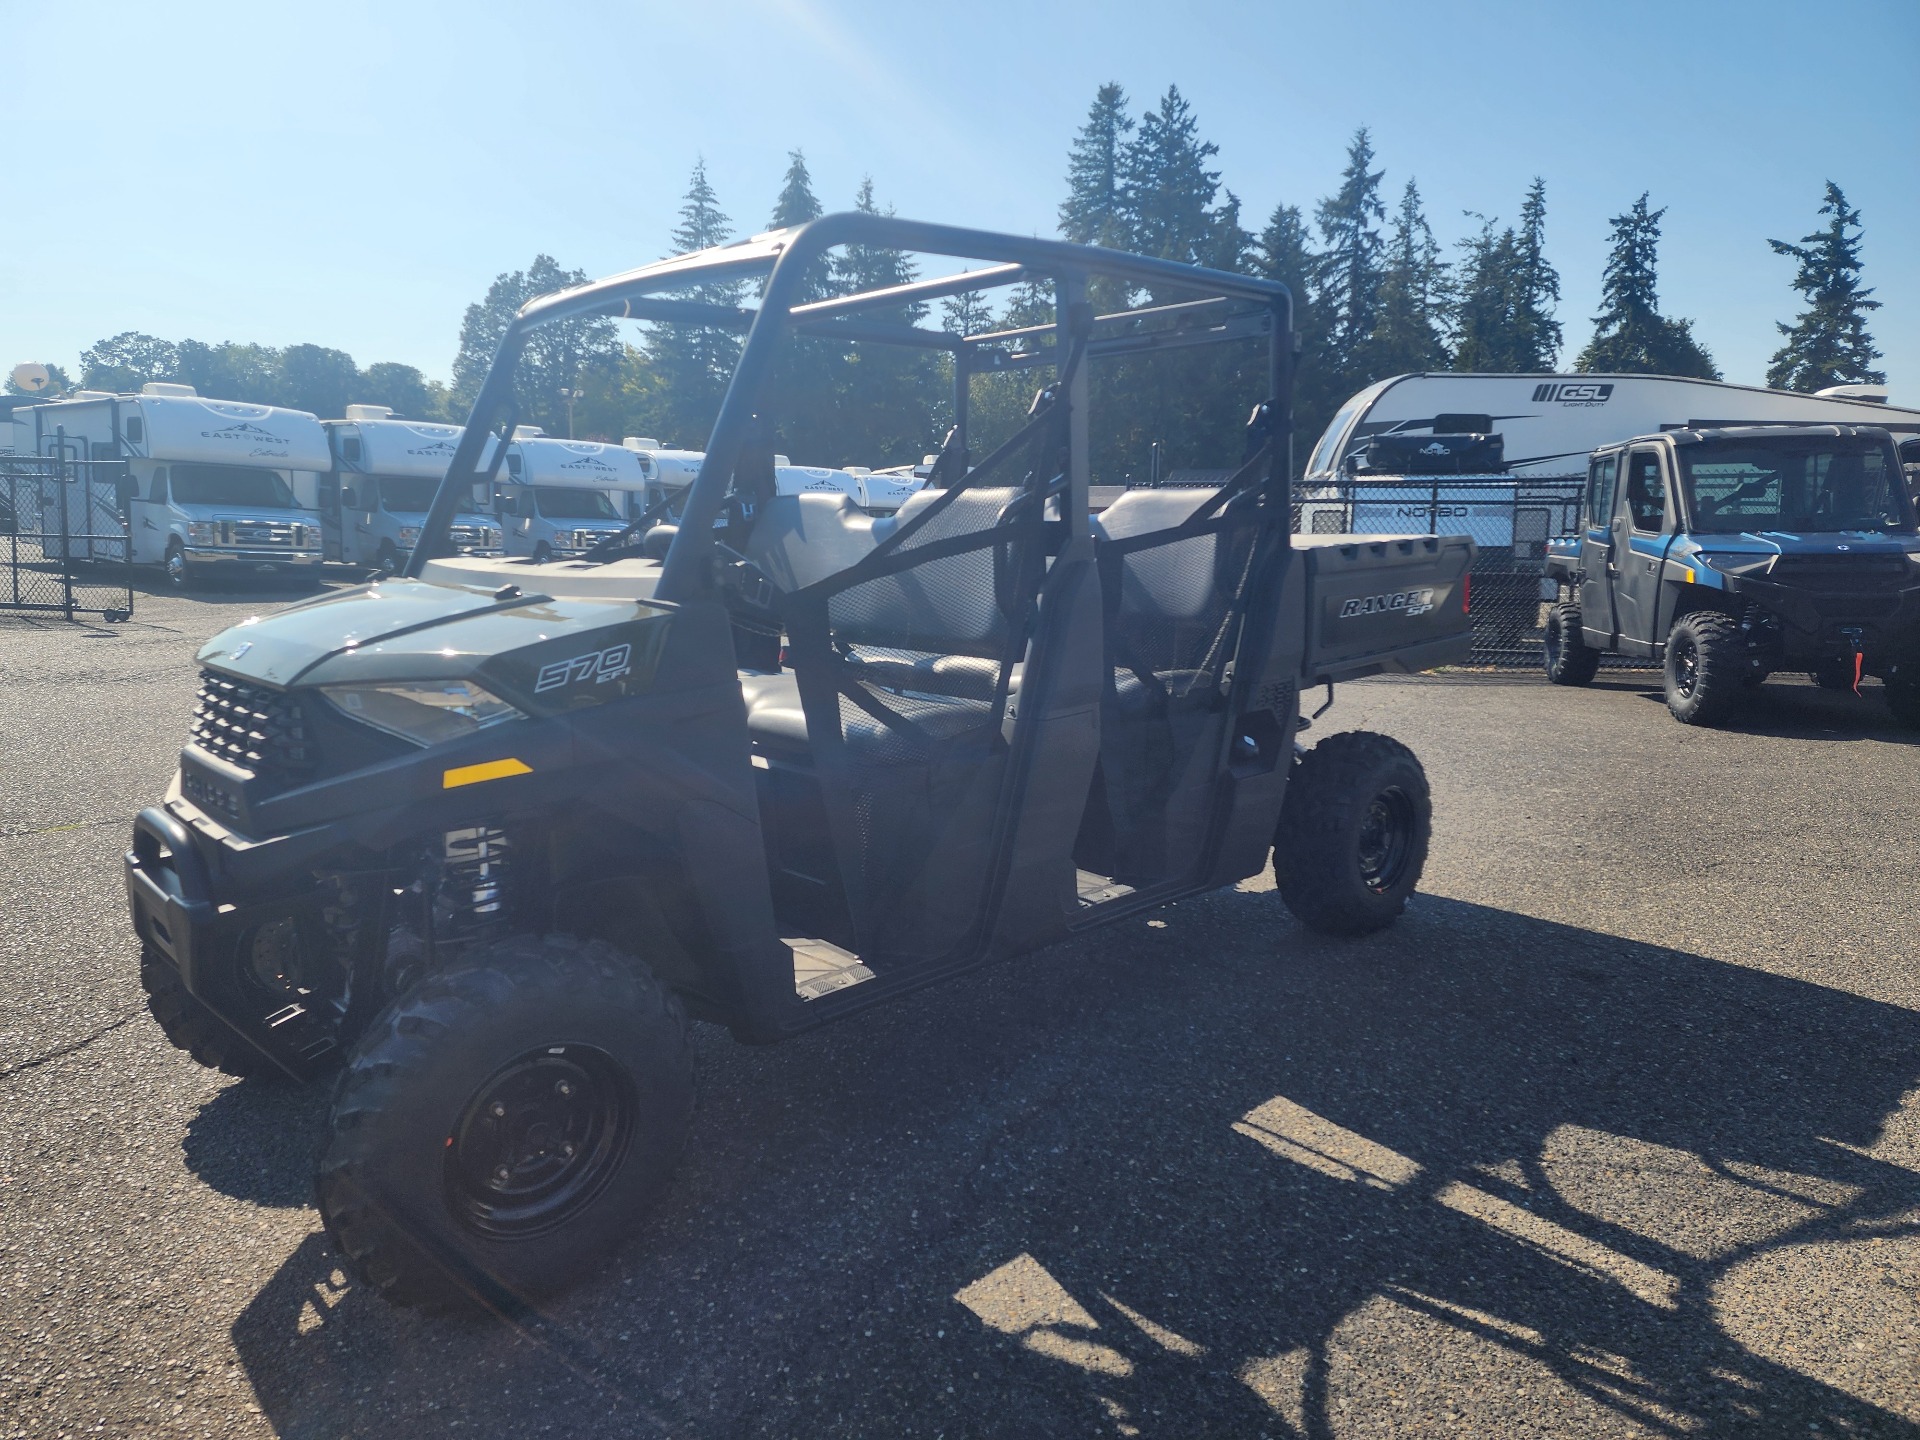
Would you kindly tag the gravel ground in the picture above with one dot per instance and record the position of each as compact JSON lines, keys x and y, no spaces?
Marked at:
{"x":1618,"y":1132}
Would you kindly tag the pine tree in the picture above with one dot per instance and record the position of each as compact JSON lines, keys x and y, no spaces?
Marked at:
{"x":1167,"y":191}
{"x":1536,"y":285}
{"x":1349,"y":272}
{"x":1284,"y":252}
{"x":1488,"y":335}
{"x":1630,"y":334}
{"x":805,"y":382}
{"x":1408,"y":335}
{"x":1829,"y":343}
{"x":695,"y":362}
{"x":797,"y":203}
{"x":1093,"y":212}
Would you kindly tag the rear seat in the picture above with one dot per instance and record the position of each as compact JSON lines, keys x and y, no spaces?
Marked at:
{"x":1160,"y":584}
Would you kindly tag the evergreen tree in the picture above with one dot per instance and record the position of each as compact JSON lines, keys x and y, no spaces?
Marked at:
{"x":1488,"y":296}
{"x":1408,"y":335}
{"x":1630,"y":334}
{"x":1166,"y":190}
{"x":1284,"y":252}
{"x":695,"y":362}
{"x":1349,"y":274}
{"x":1537,"y":286}
{"x":806,"y":376}
{"x":1828,"y":344}
{"x":797,"y":203}
{"x":1094,"y":211}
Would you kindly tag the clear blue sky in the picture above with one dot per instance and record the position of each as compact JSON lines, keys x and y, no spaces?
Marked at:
{"x":354,"y":174}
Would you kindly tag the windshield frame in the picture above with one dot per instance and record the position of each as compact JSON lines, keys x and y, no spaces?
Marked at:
{"x":1701,"y":519}
{"x":281,"y":484}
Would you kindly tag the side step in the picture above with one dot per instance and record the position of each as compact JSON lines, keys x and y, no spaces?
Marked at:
{"x":820,"y":967}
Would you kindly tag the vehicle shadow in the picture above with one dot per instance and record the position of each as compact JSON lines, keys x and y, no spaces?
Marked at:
{"x":1204,"y":1174}
{"x":1789,"y":710}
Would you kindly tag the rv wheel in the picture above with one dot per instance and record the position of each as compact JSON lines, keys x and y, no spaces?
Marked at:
{"x":179,"y":572}
{"x":387,"y":562}
{"x":503,"y":1126}
{"x":1353,"y":833}
{"x":541,"y":554}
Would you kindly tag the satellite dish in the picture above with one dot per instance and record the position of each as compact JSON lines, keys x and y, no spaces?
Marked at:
{"x":32,"y":378}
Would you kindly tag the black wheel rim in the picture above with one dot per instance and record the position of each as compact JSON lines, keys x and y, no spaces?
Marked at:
{"x":1386,"y":839}
{"x":539,"y":1140}
{"x":1686,"y":665}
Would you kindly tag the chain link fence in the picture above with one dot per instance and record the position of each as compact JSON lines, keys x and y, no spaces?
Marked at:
{"x":1509,"y":521}
{"x":64,"y":545}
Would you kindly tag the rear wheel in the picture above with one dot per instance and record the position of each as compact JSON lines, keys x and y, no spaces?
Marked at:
{"x":1570,"y":660}
{"x":191,"y":1026}
{"x":541,"y":554}
{"x":1706,"y":667}
{"x":503,"y":1126}
{"x":1353,"y":833}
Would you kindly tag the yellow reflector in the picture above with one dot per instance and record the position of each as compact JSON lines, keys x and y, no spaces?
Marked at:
{"x":1689,"y":574}
{"x":491,"y":770}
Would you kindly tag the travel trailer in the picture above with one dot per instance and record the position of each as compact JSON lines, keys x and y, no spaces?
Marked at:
{"x":374,"y":499}
{"x":213,"y":486}
{"x":1547,"y":425}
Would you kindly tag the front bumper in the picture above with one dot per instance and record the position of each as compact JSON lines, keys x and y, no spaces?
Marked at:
{"x":229,"y":557}
{"x":171,"y":890}
{"x":1885,"y":625}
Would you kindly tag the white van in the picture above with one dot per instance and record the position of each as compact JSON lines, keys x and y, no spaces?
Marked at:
{"x":385,"y":472}
{"x":557,"y":498}
{"x":213,"y":485}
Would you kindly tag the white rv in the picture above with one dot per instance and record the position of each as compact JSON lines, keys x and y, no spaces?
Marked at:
{"x":669,"y":472}
{"x":558,"y":498}
{"x":385,"y":472}
{"x":1549,"y":424}
{"x":213,"y":485}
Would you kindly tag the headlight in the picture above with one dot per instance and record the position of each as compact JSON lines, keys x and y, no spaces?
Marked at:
{"x":1737,"y":563}
{"x":203,"y":532}
{"x":427,"y":712}
{"x":409,"y":534}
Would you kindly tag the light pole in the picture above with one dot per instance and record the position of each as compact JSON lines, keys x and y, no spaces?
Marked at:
{"x":570,"y":396}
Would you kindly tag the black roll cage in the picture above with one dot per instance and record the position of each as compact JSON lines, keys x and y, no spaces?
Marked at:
{"x":1227,"y":307}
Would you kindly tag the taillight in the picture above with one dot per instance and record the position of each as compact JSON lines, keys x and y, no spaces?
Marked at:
{"x":1466,"y":593}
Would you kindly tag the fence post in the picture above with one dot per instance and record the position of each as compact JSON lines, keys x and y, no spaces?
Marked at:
{"x":66,"y":543}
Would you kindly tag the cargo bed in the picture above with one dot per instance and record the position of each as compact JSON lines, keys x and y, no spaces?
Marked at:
{"x":1377,"y":604}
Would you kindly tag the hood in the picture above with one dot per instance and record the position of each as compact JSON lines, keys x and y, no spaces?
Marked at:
{"x":1762,"y":543}
{"x":403,"y":630}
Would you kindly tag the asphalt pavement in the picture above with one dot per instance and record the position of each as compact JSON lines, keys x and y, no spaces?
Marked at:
{"x":1616,"y":1133}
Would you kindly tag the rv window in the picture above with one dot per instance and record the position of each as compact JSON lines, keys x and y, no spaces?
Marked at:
{"x":231,"y":485}
{"x":1600,"y":482}
{"x":564,"y":502}
{"x":350,"y":449}
{"x":1646,"y":492}
{"x":157,"y":488}
{"x":136,"y":429}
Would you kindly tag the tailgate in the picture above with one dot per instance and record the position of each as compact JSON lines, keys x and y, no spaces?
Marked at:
{"x":1379,"y":603}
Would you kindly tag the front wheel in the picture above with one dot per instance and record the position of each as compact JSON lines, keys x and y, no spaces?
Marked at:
{"x":386,"y":564}
{"x":191,"y":1026}
{"x":541,"y":554}
{"x":179,"y":569}
{"x":1706,"y":667}
{"x":1353,"y":833}
{"x":1570,"y":660}
{"x":503,"y":1126}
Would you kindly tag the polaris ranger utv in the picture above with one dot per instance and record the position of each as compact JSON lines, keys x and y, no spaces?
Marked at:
{"x":1730,"y":554}
{"x":484,"y":836}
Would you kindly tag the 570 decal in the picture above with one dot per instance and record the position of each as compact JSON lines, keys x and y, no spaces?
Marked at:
{"x":599,"y":666}
{"x":1401,"y":602}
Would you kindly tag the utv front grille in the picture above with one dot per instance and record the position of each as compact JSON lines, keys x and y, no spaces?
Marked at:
{"x":1840,"y":574}
{"x":258,"y":729}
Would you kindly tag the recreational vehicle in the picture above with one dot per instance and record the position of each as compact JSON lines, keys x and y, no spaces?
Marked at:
{"x":374,"y":499}
{"x":212,"y":485}
{"x":560,"y":497}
